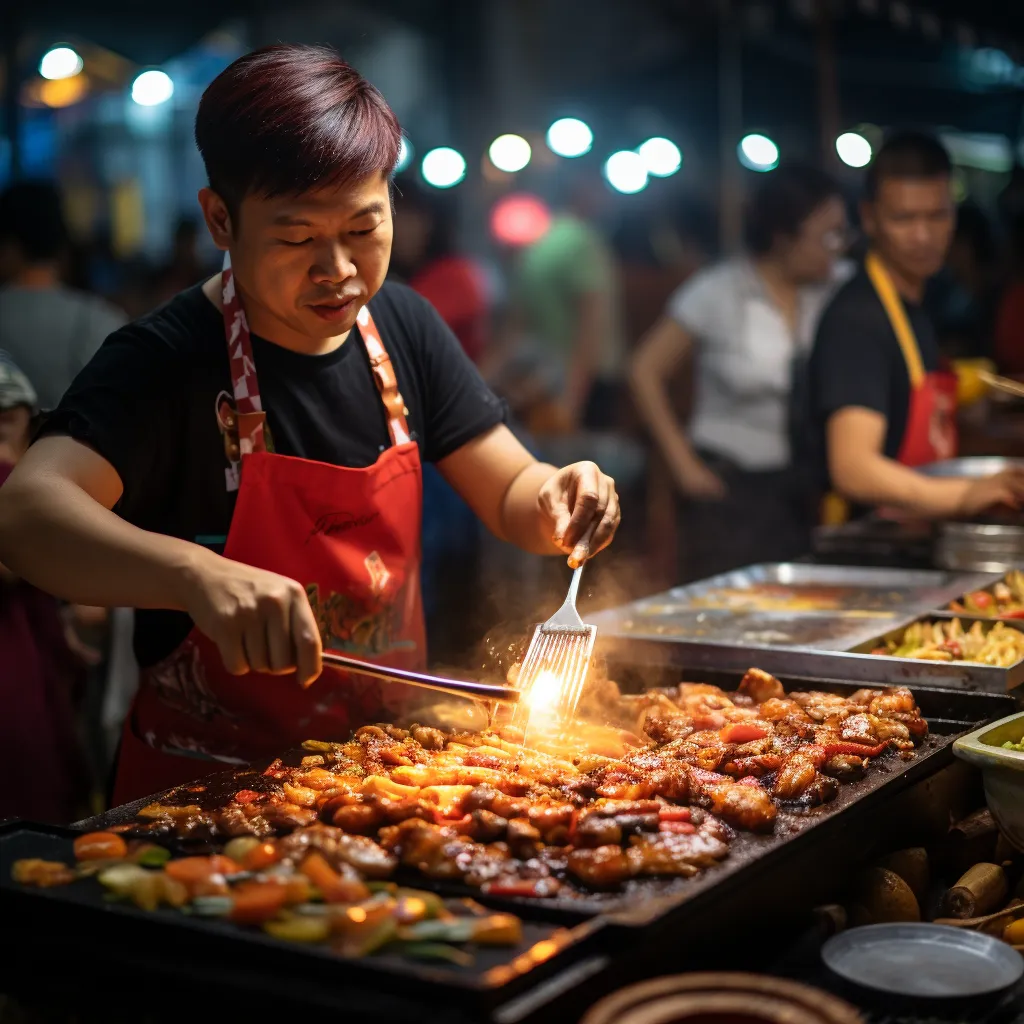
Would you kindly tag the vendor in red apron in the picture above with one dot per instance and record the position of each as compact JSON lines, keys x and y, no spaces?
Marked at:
{"x":884,"y":403}
{"x":243,"y":464}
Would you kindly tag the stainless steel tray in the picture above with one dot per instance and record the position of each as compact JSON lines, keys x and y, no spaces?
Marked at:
{"x":865,"y":602}
{"x":974,"y":466}
{"x":810,"y":664}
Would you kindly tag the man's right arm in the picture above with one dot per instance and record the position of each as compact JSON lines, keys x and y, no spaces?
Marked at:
{"x":861,"y":472}
{"x":58,"y":532}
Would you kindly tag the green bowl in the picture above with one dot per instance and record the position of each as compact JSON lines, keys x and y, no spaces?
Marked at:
{"x":1002,"y":771}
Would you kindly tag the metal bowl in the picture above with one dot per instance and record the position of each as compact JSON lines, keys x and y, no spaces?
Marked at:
{"x":980,"y":547}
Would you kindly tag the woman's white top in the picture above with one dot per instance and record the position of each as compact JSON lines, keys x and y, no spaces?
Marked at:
{"x":745,"y":353}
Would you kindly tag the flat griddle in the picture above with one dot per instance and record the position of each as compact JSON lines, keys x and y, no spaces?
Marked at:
{"x":764,"y":879}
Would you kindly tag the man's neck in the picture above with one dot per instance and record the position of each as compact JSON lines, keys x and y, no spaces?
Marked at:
{"x":271,"y":329}
{"x":37,"y":275}
{"x":909,"y":287}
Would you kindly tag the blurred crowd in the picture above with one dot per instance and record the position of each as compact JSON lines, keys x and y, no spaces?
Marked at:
{"x":634,"y":344}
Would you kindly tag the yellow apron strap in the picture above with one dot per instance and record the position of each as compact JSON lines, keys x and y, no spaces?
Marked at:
{"x":835,"y":510}
{"x":897,"y":314}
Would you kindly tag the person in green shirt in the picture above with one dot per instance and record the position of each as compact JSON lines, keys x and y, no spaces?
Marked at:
{"x":567,"y":299}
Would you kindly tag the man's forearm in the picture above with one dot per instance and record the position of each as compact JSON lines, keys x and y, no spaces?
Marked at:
{"x":57,"y":537}
{"x":881,"y":481}
{"x":523,"y":522}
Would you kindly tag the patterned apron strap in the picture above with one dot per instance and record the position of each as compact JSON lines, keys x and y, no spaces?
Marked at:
{"x":248,"y":406}
{"x":384,"y":375}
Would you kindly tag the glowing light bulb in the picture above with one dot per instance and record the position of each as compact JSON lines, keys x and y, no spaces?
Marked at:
{"x":443,"y":167}
{"x":510,"y":153}
{"x":570,"y":137}
{"x":152,"y":88}
{"x":405,"y":155}
{"x":758,"y":153}
{"x":661,"y":157}
{"x":60,"y":62}
{"x":626,"y":172}
{"x":853,"y":149}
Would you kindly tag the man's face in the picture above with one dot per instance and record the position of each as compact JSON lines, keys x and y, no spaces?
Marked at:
{"x":911,"y":223}
{"x":307,"y":263}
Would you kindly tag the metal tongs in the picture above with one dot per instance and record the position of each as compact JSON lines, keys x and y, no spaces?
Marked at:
{"x":440,"y":684}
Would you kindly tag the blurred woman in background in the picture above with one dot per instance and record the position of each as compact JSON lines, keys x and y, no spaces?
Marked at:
{"x":739,"y":329}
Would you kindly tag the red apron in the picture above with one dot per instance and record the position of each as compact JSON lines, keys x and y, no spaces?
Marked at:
{"x":350,"y":536}
{"x":930,"y":434}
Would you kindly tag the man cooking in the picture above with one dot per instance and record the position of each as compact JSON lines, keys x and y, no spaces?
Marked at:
{"x":243,"y":464}
{"x":882,"y":402}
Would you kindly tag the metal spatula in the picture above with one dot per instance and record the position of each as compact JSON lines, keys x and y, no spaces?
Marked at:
{"x":556,"y":663}
{"x":440,"y":684}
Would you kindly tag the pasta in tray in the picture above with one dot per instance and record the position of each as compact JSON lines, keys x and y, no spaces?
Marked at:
{"x":999,"y":645}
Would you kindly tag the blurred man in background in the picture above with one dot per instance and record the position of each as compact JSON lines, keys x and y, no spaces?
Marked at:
{"x":51,"y":331}
{"x":568,"y":302}
{"x":883,"y":402}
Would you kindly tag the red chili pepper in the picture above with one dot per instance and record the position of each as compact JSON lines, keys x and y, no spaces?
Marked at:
{"x":573,"y":820}
{"x":980,"y":599}
{"x":679,"y":828}
{"x":461,"y":825}
{"x":246,"y":796}
{"x":674,"y":814}
{"x":855,"y":749}
{"x":527,"y":888}
{"x":742,"y":732}
{"x":1019,"y":614}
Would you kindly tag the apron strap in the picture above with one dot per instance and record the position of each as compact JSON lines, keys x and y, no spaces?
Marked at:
{"x":384,"y":375}
{"x":246,"y":388}
{"x":898,"y":320}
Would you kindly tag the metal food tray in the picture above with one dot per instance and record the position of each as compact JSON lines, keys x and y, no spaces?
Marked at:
{"x":870,"y":601}
{"x":1001,"y":578}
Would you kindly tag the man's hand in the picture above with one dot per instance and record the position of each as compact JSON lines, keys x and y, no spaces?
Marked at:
{"x":260,"y":621}
{"x":582,"y":506}
{"x":1005,"y":488}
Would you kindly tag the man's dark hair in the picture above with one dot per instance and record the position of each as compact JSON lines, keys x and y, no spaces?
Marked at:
{"x":31,"y":216}
{"x":287,"y":119}
{"x":782,"y":200}
{"x":907,"y":155}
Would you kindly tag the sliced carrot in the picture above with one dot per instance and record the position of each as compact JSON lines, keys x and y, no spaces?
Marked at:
{"x":256,"y":902}
{"x":332,"y":886}
{"x":260,"y":857}
{"x":100,"y":846}
{"x":193,"y":870}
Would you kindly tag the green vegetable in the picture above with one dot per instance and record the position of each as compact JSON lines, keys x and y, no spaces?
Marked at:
{"x":153,"y":856}
{"x":1010,"y":745}
{"x":318,"y":746}
{"x":435,"y":951}
{"x":212,"y":906}
{"x":388,"y":887}
{"x":122,"y":878}
{"x":459,"y":930}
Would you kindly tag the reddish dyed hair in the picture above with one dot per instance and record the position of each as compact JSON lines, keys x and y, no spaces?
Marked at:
{"x":285,"y":119}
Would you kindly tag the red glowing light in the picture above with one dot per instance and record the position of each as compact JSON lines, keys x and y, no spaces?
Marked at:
{"x":520,"y":219}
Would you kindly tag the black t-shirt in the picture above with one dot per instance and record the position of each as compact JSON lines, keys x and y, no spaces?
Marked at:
{"x":148,"y":402}
{"x":857,"y":361}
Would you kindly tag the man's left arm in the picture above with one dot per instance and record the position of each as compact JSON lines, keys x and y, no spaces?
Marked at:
{"x":537,"y":507}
